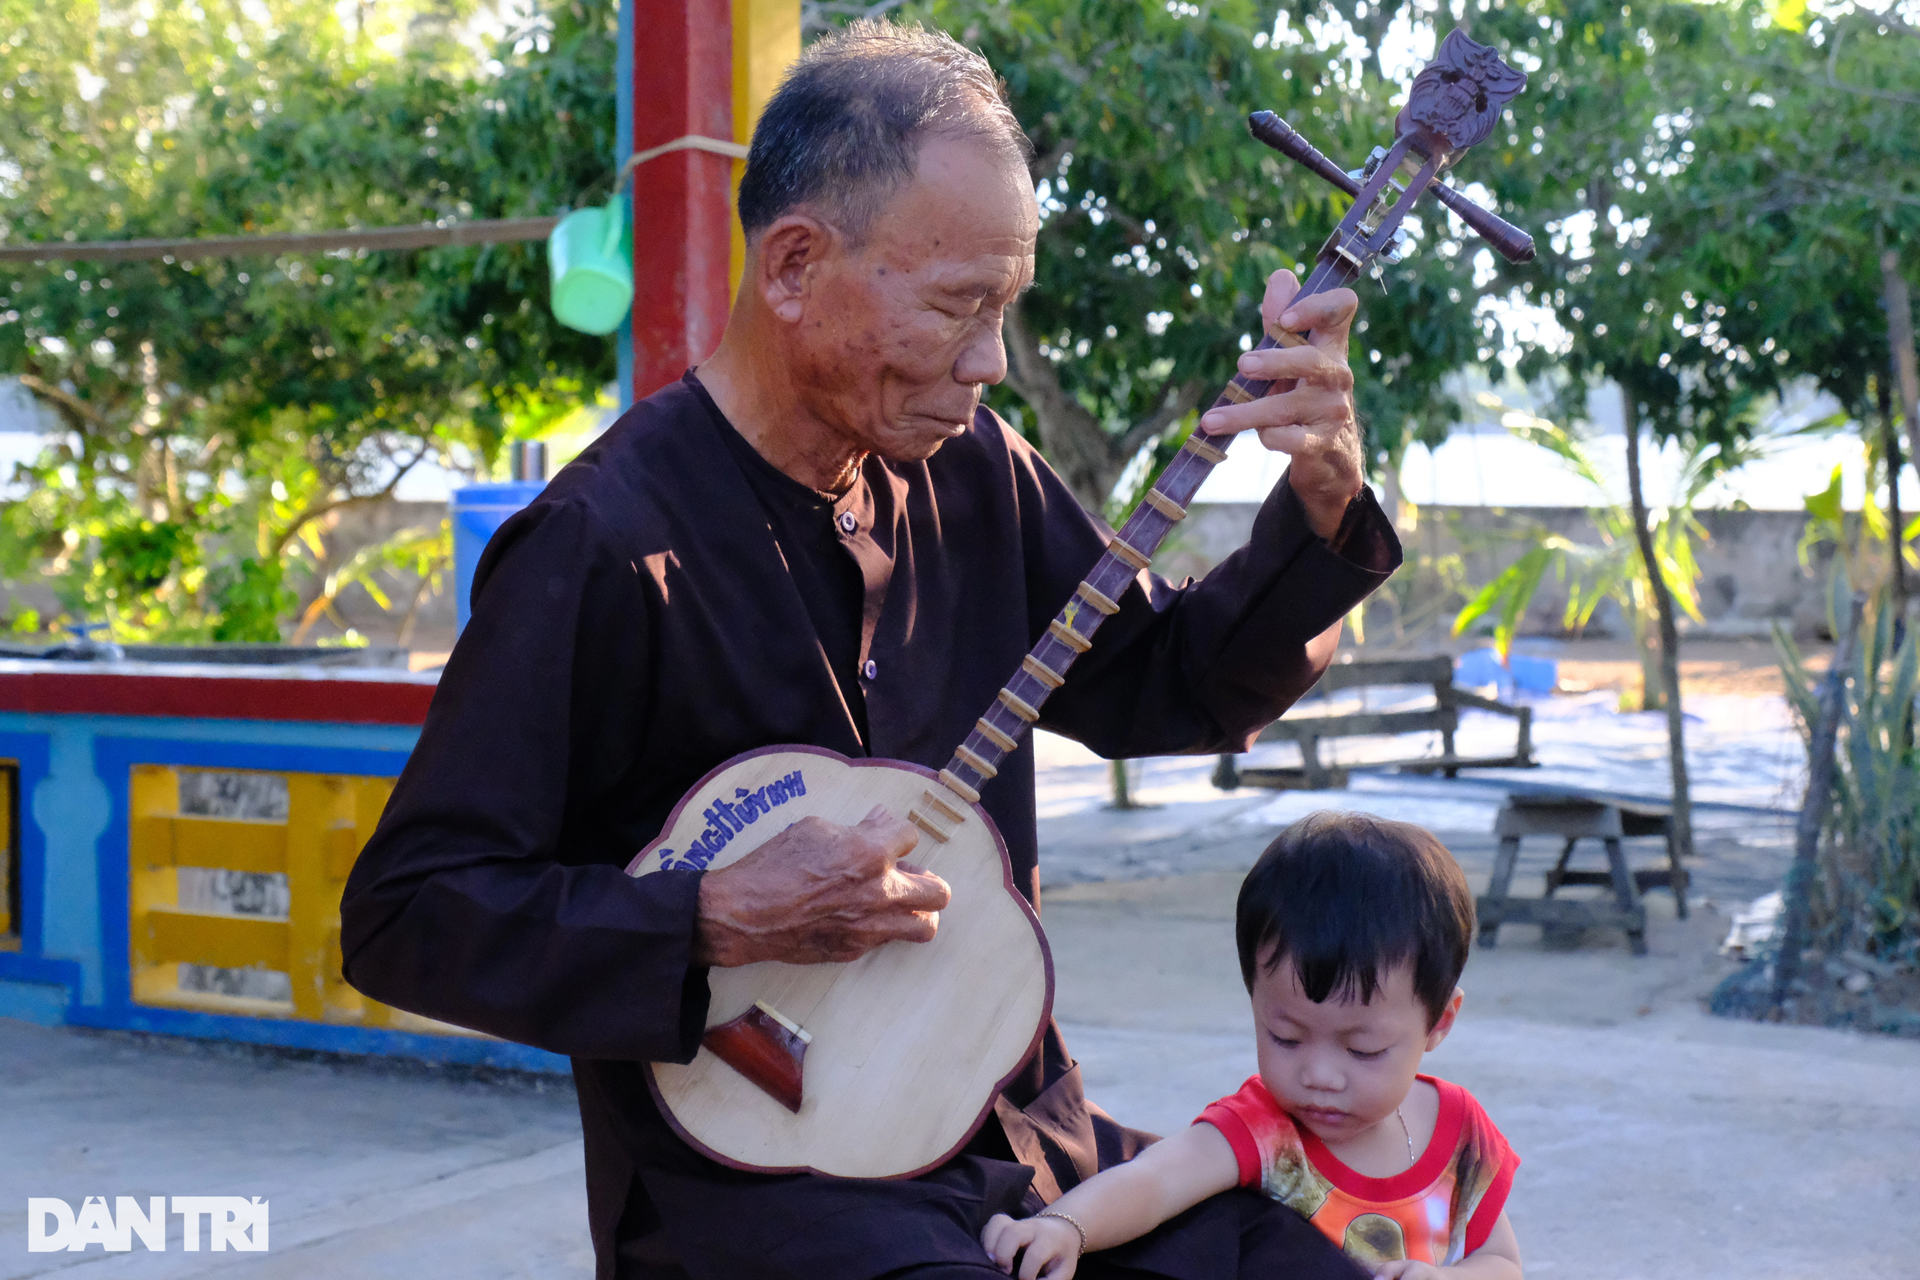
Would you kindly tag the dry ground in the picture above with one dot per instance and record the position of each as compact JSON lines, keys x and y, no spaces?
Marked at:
{"x":1707,"y":666}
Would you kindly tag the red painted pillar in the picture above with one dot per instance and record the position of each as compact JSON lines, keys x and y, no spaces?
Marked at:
{"x":682,"y":213}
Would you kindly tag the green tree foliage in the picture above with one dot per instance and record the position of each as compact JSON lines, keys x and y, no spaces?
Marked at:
{"x":1161,"y":219}
{"x":217,"y":409}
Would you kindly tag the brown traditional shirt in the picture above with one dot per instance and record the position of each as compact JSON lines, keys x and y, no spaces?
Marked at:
{"x":670,"y":601}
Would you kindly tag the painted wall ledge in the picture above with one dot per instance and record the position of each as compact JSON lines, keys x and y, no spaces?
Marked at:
{"x":218,"y":691}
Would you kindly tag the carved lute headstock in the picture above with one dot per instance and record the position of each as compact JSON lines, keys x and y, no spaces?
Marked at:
{"x":1455,"y":102}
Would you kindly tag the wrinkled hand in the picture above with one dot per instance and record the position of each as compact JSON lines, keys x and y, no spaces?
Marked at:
{"x":1404,"y":1270}
{"x":1052,"y":1245}
{"x":1309,"y":412}
{"x":818,"y":893}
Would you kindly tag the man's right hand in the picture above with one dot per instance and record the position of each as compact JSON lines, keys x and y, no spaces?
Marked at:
{"x":818,"y":893}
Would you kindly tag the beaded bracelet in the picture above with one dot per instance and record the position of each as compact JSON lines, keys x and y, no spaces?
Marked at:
{"x":1071,"y":1221}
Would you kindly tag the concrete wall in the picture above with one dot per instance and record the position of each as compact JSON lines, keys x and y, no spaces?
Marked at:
{"x":1751,"y":575}
{"x":368,"y":525}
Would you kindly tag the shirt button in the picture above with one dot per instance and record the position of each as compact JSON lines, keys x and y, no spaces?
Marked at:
{"x":847,"y":523}
{"x":871,"y":670}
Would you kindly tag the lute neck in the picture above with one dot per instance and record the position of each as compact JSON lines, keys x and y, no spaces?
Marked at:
{"x":999,"y":732}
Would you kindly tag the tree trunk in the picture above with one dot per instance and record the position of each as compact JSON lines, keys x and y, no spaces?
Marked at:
{"x":1652,"y":697}
{"x":1796,"y":905}
{"x":1669,"y":650}
{"x":1907,"y":376}
{"x":1897,"y":581}
{"x":1087,"y":456}
{"x":1900,"y":338}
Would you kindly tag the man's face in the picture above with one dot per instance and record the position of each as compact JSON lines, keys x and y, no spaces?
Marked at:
{"x":1340,"y":1067}
{"x":899,"y":336}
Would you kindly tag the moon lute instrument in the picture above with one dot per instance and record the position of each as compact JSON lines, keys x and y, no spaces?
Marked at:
{"x":885,"y":1066}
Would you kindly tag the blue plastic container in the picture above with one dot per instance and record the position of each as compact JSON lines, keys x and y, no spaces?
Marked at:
{"x":1478,"y":667}
{"x":477,"y":511}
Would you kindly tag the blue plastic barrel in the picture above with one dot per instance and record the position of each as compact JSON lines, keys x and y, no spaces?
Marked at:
{"x":478,"y":510}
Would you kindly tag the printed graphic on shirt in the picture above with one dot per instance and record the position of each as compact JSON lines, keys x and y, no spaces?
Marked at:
{"x":1438,"y":1212}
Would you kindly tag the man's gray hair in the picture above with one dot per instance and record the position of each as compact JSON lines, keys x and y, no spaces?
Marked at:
{"x":844,"y":128}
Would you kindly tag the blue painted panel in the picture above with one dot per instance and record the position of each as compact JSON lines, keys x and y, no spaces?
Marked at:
{"x":42,"y":1003}
{"x":70,"y":806}
{"x":114,"y":758}
{"x":294,"y":733}
{"x":30,"y":750}
{"x":327,"y":1038}
{"x":74,"y":773}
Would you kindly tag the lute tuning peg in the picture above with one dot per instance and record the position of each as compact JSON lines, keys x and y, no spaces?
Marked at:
{"x":1505,"y":239}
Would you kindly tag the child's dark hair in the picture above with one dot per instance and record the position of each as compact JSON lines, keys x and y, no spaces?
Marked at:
{"x":1346,"y":898}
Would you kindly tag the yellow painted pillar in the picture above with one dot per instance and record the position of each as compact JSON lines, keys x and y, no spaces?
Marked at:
{"x":153,"y":795}
{"x":368,"y":799}
{"x":317,"y":805}
{"x":766,"y":40}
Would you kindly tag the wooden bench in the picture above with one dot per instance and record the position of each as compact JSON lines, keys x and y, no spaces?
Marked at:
{"x":1574,"y":818}
{"x":1365,"y":673}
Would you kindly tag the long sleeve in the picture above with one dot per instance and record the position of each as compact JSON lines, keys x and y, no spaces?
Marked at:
{"x":493,"y":894}
{"x":1206,"y":666}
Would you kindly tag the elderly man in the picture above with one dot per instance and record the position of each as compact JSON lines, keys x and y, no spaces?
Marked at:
{"x":820,"y":536}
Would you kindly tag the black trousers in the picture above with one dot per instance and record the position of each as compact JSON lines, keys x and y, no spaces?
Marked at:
{"x":929,"y":1229}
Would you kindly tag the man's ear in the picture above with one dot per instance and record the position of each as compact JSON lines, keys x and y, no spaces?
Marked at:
{"x":1447,"y":1017}
{"x":783,"y":259}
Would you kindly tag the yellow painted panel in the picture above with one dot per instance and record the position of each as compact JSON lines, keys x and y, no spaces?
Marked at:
{"x":233,"y":844}
{"x":343,"y":846}
{"x":330,"y":818}
{"x":161,"y":987}
{"x":229,"y":942}
{"x":317,"y":806}
{"x":766,"y":40}
{"x":153,"y":792}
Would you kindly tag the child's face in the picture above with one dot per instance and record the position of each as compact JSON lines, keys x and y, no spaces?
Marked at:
{"x":1341,"y":1067}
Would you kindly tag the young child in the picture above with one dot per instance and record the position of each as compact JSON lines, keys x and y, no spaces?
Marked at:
{"x":1352,"y":933}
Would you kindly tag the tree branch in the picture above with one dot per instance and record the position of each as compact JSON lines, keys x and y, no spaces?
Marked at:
{"x":75,"y":406}
{"x":352,"y":500}
{"x":1074,"y":441}
{"x":1184,"y":399}
{"x":1830,"y":80}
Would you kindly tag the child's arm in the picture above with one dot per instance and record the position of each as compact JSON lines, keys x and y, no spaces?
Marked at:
{"x":1497,"y":1259}
{"x":1117,"y":1204}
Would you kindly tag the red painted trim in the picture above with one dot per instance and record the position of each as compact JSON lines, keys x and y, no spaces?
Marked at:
{"x":682,"y":201}
{"x":1006,"y":877}
{"x":100,"y":693}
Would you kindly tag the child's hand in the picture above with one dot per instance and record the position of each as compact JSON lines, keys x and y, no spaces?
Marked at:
{"x":1052,"y":1245}
{"x":1404,"y":1270}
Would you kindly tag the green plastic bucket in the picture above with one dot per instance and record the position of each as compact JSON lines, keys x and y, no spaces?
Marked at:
{"x":590,"y":256}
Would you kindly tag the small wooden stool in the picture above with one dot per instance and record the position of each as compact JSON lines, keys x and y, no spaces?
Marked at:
{"x":1575,"y":818}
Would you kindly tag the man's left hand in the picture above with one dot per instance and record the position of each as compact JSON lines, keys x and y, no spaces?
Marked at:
{"x":1309,"y":413}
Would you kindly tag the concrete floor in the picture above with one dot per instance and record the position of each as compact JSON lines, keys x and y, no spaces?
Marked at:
{"x":1658,"y":1142}
{"x":371,"y":1172}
